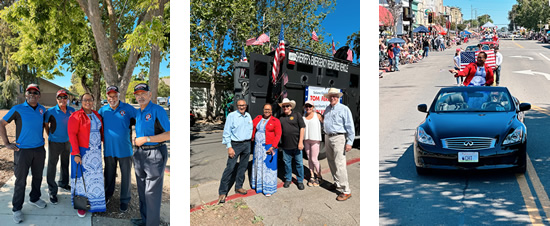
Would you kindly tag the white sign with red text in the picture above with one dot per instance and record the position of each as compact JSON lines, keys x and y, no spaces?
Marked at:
{"x":316,"y":94}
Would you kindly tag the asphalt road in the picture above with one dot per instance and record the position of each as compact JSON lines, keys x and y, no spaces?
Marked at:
{"x":451,"y":198}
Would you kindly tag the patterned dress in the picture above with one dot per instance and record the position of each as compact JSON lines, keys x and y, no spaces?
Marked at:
{"x":264,"y":166}
{"x":93,"y":170}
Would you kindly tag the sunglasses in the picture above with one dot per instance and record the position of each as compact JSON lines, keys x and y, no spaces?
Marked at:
{"x":308,"y":106}
{"x":34,"y":93}
{"x":62,"y":97}
{"x":286,"y":106}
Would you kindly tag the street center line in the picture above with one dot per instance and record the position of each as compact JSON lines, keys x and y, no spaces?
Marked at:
{"x":518,"y":45}
{"x":544,"y":56}
{"x":529,"y":200}
{"x":541,"y":110}
{"x":539,"y":188}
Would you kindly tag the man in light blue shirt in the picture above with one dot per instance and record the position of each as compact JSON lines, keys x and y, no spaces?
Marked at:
{"x":237,"y":134}
{"x":339,"y":136}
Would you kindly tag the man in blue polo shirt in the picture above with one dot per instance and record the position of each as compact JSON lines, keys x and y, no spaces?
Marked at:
{"x":28,"y":149}
{"x":150,"y":155}
{"x":55,"y":123}
{"x":118,"y":118}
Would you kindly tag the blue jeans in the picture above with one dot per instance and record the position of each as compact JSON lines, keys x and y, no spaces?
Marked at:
{"x":497,"y":74}
{"x":426,"y":50}
{"x":242,"y":152}
{"x":288,"y":155}
{"x":396,"y":65}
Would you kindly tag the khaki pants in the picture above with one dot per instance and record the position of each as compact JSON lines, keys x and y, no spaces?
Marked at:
{"x":334,"y":147}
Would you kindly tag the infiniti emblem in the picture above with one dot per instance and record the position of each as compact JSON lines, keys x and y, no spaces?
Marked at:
{"x":468,"y":143}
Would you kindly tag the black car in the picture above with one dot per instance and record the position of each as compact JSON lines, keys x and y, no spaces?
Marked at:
{"x":471,"y":128}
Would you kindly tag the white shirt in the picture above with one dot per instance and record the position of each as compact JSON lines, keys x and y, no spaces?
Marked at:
{"x":498,"y":58}
{"x":313,"y":128}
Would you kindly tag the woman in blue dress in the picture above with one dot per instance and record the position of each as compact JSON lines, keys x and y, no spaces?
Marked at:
{"x":266,"y":135}
{"x":85,"y":131}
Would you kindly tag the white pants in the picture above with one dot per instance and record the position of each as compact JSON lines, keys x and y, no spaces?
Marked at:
{"x":334,"y":147}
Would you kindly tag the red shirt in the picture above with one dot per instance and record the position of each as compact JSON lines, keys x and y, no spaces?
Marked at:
{"x":470,"y":71}
{"x":78,"y":128}
{"x":273,"y":130}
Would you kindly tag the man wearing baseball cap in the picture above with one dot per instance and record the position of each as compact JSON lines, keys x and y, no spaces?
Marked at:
{"x":118,"y":118}
{"x":150,"y":155}
{"x":55,"y":123}
{"x":28,"y":149}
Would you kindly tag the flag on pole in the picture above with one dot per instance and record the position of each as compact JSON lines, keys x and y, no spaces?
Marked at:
{"x":263,"y":38}
{"x":471,"y":57}
{"x":243,"y":56}
{"x":350,"y":55}
{"x":250,"y":42}
{"x":279,"y":55}
{"x":314,"y":36}
{"x":243,"y":59}
{"x":334,"y":47}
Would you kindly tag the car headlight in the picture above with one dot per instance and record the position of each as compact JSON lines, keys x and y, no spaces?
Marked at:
{"x":514,"y":137}
{"x":423,"y":137}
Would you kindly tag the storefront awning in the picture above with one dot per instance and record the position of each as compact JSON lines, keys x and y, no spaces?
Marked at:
{"x":385,"y":18}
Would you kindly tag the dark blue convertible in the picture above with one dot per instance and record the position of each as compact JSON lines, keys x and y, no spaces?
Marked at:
{"x":470,"y":128}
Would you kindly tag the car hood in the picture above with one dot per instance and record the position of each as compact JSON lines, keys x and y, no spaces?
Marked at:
{"x":471,"y":124}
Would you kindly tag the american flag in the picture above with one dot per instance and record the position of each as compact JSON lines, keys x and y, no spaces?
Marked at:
{"x":250,"y":41}
{"x":279,"y":55}
{"x":333,"y":47}
{"x":243,"y":56}
{"x":314,"y":36}
{"x":350,"y":55}
{"x":471,"y":57}
{"x":263,"y":38}
{"x":243,"y":59}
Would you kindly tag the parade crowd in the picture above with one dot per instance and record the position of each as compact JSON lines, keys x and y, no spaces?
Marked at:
{"x":265,"y":137}
{"x":414,"y":49}
{"x":76,"y":137}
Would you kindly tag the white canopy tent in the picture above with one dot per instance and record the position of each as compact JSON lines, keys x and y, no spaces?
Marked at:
{"x":488,"y":25}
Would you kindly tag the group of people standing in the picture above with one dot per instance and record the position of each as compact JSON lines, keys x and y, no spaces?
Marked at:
{"x":293,"y":133}
{"x":77,"y":137}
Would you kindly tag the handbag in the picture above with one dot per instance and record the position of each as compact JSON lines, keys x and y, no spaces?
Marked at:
{"x":80,"y":202}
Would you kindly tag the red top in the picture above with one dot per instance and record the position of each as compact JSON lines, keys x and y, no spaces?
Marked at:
{"x":273,"y":130}
{"x":78,"y":127}
{"x":495,"y":38}
{"x":470,"y":71}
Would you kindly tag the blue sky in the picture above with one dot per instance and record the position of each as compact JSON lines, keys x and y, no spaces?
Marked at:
{"x":497,"y":9}
{"x":65,"y":81}
{"x":343,"y":21}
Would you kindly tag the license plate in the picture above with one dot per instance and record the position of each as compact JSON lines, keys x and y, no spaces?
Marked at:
{"x":468,"y":157}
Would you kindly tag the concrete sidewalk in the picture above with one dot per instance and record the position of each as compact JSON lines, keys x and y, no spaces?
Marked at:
{"x":61,"y":214}
{"x":290,"y":206}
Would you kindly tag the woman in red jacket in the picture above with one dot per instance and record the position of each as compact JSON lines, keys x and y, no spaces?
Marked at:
{"x":85,"y":130}
{"x":478,"y":73}
{"x":266,"y":135}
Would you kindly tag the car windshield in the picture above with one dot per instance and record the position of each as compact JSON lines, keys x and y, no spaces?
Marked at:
{"x":471,"y":49}
{"x":473,"y":101}
{"x":487,"y":40}
{"x":485,"y":47}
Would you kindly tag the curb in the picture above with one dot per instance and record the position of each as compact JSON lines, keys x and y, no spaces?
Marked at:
{"x":252,"y":192}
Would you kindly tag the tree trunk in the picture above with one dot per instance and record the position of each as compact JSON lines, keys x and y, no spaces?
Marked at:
{"x":104,"y":48}
{"x":96,"y":89}
{"x":155,"y":58}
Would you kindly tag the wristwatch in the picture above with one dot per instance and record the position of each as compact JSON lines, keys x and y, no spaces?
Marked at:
{"x":148,"y":139}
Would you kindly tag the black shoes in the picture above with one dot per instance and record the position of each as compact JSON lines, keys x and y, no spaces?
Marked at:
{"x":301,"y":186}
{"x":241,"y":191}
{"x":287,"y":184}
{"x":66,"y":188}
{"x":123,"y":207}
{"x":53,"y":199}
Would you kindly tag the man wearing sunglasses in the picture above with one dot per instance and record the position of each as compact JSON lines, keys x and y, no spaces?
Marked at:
{"x":55,"y":123}
{"x":28,"y":149}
